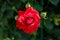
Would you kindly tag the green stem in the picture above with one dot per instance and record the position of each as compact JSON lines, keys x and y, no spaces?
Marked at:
{"x":41,"y":36}
{"x":34,"y":36}
{"x":41,"y":29}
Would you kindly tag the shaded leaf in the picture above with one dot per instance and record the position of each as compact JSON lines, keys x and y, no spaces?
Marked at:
{"x":7,"y":38}
{"x":1,"y":33}
{"x":48,"y":24}
{"x":37,"y":6}
{"x":24,"y":1}
{"x":54,"y":2}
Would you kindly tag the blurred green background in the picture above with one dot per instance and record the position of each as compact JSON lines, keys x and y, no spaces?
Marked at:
{"x":50,"y":25}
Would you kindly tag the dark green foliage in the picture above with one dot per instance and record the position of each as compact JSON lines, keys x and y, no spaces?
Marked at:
{"x":48,"y":29}
{"x":54,"y":2}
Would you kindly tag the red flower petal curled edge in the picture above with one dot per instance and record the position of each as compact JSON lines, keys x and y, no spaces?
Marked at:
{"x":28,"y":20}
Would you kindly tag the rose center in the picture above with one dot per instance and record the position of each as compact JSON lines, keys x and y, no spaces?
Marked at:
{"x":29,"y":20}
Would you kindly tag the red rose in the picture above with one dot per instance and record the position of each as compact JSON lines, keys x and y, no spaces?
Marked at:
{"x":28,"y":20}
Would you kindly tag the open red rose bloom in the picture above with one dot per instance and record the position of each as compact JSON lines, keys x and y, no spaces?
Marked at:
{"x":28,"y":20}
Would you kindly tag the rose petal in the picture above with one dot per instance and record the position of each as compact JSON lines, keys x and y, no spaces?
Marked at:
{"x":20,"y":12}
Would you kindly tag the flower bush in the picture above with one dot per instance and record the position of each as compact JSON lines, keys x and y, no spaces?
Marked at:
{"x":17,"y":22}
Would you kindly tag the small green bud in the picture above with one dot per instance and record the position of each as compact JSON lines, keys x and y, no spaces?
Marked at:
{"x":14,"y":8}
{"x":43,"y":14}
{"x":27,"y":5}
{"x":57,"y":21}
{"x":16,"y":17}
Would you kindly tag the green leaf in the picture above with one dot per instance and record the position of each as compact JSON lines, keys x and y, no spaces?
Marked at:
{"x":9,"y":14}
{"x":54,"y":2}
{"x":48,"y":24}
{"x":7,"y":38}
{"x":24,"y":1}
{"x":14,"y":8}
{"x":42,"y":2}
{"x":3,"y":7}
{"x":1,"y":33}
{"x":57,"y":32}
{"x":34,"y":36}
{"x":37,"y":6}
